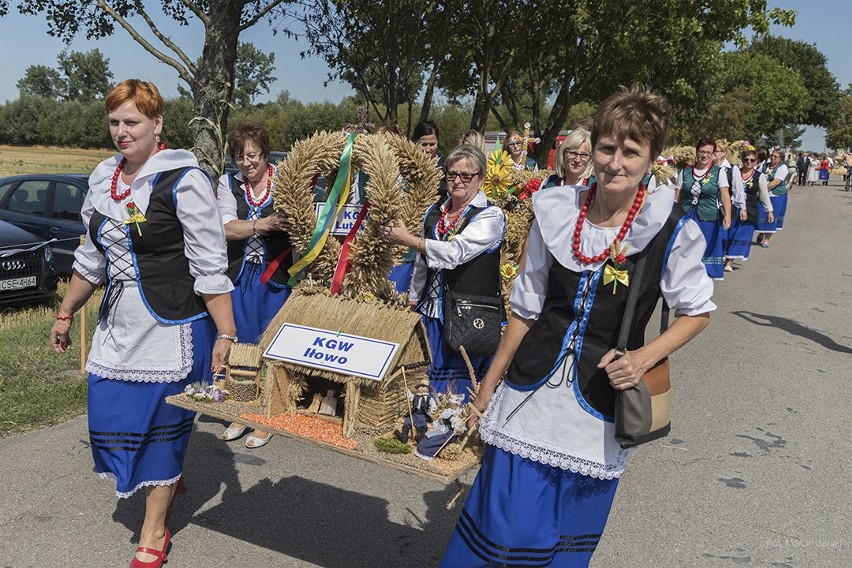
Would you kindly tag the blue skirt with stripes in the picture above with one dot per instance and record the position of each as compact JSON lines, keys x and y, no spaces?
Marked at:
{"x":255,"y":303}
{"x":715,"y":236}
{"x":779,"y":204}
{"x":763,"y":224}
{"x":137,"y":439}
{"x":740,"y":235}
{"x":448,"y":372}
{"x":524,"y":513}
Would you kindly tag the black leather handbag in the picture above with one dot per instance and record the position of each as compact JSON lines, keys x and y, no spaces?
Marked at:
{"x":475,"y":322}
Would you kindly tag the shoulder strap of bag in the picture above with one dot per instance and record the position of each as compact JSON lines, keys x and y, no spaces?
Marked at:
{"x":630,"y":308}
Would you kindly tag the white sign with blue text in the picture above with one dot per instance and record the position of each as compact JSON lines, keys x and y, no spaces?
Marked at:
{"x":345,"y":219}
{"x":332,"y":351}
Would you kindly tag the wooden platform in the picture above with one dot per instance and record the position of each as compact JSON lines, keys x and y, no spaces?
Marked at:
{"x":442,"y":470}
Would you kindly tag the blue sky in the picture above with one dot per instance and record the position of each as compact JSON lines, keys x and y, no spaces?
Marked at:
{"x":24,"y":42}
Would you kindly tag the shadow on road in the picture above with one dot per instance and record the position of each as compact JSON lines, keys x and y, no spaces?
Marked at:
{"x":794,"y":328}
{"x":301,"y":518}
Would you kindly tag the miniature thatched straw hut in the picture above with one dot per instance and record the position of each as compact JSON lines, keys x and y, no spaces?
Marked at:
{"x":375,"y":403}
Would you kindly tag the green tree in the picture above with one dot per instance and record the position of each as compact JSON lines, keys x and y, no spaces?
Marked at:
{"x":754,"y":96}
{"x":585,"y":52}
{"x":252,"y":74}
{"x":823,"y":91}
{"x":40,"y":81}
{"x":840,"y":132}
{"x":177,"y":123}
{"x":382,"y":49}
{"x":80,"y":76}
{"x":791,"y":136}
{"x":211,"y":81}
{"x":86,"y":75}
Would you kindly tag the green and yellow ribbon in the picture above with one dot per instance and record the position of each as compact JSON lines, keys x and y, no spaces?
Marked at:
{"x":337,"y":198}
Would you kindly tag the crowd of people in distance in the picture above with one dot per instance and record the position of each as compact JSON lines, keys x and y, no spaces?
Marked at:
{"x":810,"y":169}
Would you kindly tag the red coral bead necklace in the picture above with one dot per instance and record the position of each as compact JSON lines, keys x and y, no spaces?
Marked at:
{"x":443,"y":228}
{"x":702,"y":176}
{"x":118,"y":197}
{"x":262,"y":199}
{"x":581,"y":218}
{"x":113,"y":188}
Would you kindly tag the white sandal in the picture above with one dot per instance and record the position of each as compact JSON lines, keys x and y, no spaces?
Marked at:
{"x":253,"y":441}
{"x":233,"y":432}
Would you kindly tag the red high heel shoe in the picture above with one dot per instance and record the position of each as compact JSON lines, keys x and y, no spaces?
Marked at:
{"x":179,"y":490}
{"x":162,"y":555}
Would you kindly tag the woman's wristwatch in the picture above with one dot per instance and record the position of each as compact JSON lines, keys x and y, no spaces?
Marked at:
{"x":231,"y":338}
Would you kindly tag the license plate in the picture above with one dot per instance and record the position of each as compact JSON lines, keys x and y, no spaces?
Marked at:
{"x":18,"y":283}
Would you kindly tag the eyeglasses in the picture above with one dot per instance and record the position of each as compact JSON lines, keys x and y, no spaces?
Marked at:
{"x":573,"y":155}
{"x":515,"y":143}
{"x":251,"y":157}
{"x":464,"y":176}
{"x":753,"y":160}
{"x":706,"y":153}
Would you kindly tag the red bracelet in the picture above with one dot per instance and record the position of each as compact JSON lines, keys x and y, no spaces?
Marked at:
{"x":63,"y":318}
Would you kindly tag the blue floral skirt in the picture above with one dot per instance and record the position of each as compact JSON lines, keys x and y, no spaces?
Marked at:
{"x":524,"y":513}
{"x":137,"y":439}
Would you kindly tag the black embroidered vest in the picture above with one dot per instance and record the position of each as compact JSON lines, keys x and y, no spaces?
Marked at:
{"x":752,"y":193}
{"x":162,"y":268}
{"x":480,"y":275}
{"x":274,"y":243}
{"x":595,"y":324}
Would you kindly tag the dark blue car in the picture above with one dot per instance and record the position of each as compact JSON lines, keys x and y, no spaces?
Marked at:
{"x":47,"y":205}
{"x":27,"y":269}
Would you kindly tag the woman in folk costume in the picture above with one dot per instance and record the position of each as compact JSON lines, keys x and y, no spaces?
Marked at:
{"x":776,"y":176}
{"x":258,"y":245}
{"x":458,"y":252}
{"x":757,"y":203}
{"x":701,"y":189}
{"x":552,"y":463}
{"x":735,"y":182}
{"x":154,"y":235}
{"x":514,"y":144}
{"x":573,"y":162}
{"x":824,"y":169}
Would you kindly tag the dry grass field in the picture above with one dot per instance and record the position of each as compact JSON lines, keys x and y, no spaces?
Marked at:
{"x":37,"y":386}
{"x":48,"y":159}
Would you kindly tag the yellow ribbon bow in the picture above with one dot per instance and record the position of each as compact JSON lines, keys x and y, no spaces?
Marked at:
{"x":614,"y":275}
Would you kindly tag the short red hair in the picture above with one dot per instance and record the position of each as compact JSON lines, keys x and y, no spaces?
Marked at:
{"x":145,"y":96}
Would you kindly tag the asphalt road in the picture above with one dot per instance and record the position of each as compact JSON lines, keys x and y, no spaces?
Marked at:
{"x":756,"y":472}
